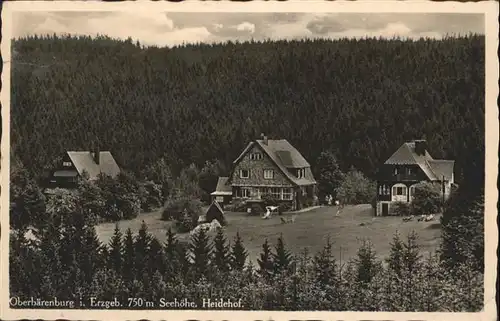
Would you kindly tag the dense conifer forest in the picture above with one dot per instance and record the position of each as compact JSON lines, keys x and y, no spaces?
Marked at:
{"x":359,"y":98}
{"x":165,"y":112}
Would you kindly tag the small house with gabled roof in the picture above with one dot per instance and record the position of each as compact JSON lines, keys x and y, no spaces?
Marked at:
{"x":223,"y":192}
{"x":408,"y":166}
{"x":270,"y":168}
{"x":75,"y":163}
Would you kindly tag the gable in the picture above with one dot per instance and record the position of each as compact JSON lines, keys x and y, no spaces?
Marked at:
{"x":256,"y":169}
{"x":434,"y":169}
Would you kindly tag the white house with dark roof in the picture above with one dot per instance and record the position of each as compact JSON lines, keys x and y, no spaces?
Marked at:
{"x":408,"y":166}
{"x":75,"y":163}
{"x":269,"y":167}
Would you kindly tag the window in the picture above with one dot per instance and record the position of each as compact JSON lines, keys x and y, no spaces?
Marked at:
{"x":219,"y":199}
{"x":287,"y":193}
{"x":67,"y":164}
{"x":301,"y":172}
{"x":408,"y":171}
{"x":244,"y":173}
{"x":412,"y":191}
{"x":395,"y":171}
{"x":275,"y":193}
{"x":268,"y":174}
{"x":383,"y":190}
{"x":399,"y":190}
{"x":256,"y":156}
{"x":244,"y":192}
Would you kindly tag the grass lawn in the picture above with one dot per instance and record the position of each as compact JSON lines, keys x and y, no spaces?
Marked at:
{"x":310,"y":230}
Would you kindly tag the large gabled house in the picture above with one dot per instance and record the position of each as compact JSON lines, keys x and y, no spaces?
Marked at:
{"x":408,"y":166}
{"x":75,"y":163}
{"x":269,"y":168}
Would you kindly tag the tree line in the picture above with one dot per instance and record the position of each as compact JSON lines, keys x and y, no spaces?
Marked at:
{"x":196,"y":103}
{"x":66,"y":260}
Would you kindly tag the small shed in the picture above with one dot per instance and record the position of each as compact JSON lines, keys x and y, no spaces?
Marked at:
{"x":215,"y":211}
{"x":223,"y":193}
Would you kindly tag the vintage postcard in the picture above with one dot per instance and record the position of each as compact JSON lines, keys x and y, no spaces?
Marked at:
{"x":249,"y":161}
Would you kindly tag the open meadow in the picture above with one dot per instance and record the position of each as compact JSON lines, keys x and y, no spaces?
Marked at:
{"x":310,"y":230}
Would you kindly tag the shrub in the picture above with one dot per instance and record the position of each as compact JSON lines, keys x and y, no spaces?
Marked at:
{"x":257,"y":209}
{"x":185,"y":211}
{"x":269,"y":200}
{"x":401,"y":209}
{"x":150,"y":195}
{"x":356,"y":188}
{"x":236,"y":205}
{"x":427,"y":198}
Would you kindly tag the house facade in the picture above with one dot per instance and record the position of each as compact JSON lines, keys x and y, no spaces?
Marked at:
{"x":408,"y":166}
{"x":270,"y":168}
{"x":75,"y":163}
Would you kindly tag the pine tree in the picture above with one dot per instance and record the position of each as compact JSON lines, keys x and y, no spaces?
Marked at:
{"x":238,"y":254}
{"x":221,"y":252}
{"x":282,"y":259}
{"x":265,"y":261}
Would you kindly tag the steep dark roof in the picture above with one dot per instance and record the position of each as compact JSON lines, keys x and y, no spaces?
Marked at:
{"x":435,"y":169}
{"x":442,"y":167}
{"x":222,"y":187}
{"x":84,"y":161}
{"x":284,"y":155}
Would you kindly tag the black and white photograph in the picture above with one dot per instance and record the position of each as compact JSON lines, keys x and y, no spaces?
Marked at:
{"x":294,"y":159}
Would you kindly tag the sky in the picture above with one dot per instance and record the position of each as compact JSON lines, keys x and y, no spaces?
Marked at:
{"x":175,"y":28}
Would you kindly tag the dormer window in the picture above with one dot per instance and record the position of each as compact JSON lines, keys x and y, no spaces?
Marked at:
{"x":301,"y":172}
{"x":67,"y":164}
{"x":256,"y":156}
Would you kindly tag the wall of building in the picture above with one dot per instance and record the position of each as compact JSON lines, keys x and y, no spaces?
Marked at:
{"x":256,"y":168}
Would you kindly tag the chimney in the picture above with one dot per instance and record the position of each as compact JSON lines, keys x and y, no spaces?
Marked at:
{"x":264,"y":139}
{"x":420,"y":147}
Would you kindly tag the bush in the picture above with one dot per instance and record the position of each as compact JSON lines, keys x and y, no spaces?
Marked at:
{"x":236,"y":206}
{"x":185,"y":211}
{"x":356,"y":188}
{"x":401,"y":209}
{"x":427,"y":198}
{"x":150,"y":195}
{"x":257,"y":209}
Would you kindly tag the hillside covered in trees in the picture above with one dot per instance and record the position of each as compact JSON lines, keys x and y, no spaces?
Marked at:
{"x":359,"y":98}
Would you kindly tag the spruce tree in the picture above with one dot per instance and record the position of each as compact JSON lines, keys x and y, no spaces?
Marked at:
{"x":128,"y":254}
{"x":238,"y":254}
{"x":172,"y":261}
{"x":200,"y":254}
{"x":115,"y":251}
{"x":282,"y":258}
{"x":155,"y":258}
{"x":141,"y":248}
{"x":266,"y":261}
{"x":396,"y":255}
{"x":366,"y":263}
{"x":325,"y":266}
{"x":221,"y":252}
